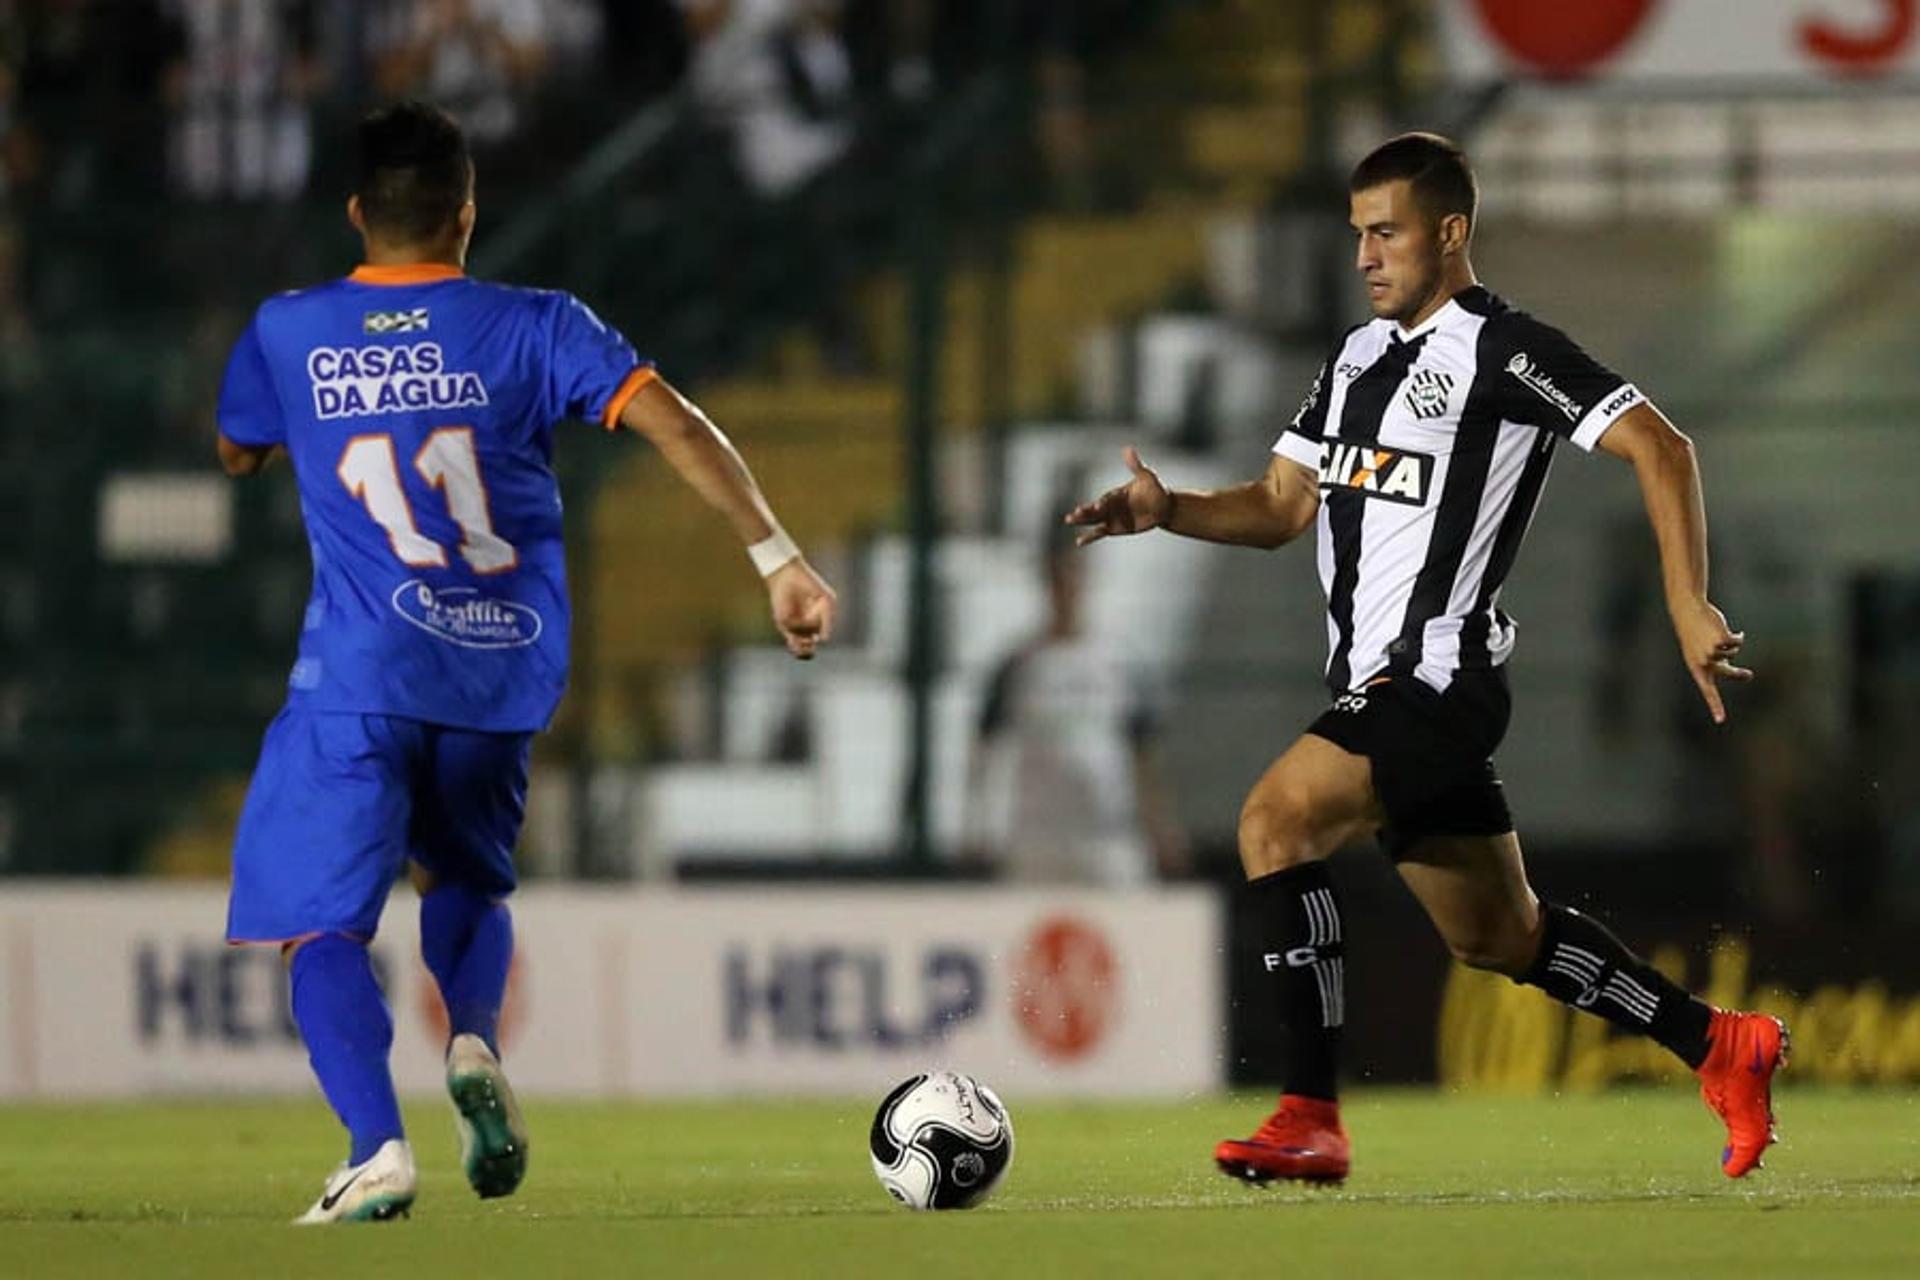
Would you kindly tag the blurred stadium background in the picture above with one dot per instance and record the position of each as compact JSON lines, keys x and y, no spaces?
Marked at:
{"x":931,"y":263}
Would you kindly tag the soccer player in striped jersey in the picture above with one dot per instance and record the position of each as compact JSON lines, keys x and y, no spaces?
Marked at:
{"x":1418,"y":458}
{"x":417,"y":408}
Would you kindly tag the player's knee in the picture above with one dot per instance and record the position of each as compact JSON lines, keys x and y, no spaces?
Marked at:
{"x":1276,"y":832}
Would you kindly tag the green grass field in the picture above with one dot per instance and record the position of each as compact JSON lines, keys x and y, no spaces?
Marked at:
{"x":1620,"y":1185}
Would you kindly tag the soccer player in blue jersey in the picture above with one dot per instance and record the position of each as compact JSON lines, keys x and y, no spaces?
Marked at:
{"x":417,"y":408}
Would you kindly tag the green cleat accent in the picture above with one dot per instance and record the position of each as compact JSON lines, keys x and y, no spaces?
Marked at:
{"x":493,"y":1137}
{"x":381,"y":1209}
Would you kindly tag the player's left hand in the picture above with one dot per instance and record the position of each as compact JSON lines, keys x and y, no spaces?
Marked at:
{"x":1709,"y":646}
{"x":803,"y":606}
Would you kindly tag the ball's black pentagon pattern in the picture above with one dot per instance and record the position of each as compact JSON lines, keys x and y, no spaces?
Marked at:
{"x":940,"y":1140}
{"x":880,"y":1141}
{"x":964,"y":1170}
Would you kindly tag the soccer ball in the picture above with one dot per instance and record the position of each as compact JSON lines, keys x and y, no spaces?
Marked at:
{"x":941,"y":1141}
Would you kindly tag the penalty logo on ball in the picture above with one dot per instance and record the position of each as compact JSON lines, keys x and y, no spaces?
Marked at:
{"x":941,"y":1140}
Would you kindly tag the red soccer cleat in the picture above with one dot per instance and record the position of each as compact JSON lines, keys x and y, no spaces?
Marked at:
{"x":1736,"y":1081}
{"x":1302,"y":1140}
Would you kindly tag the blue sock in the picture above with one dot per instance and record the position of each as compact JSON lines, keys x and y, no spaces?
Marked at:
{"x":344,"y":1020}
{"x":467,"y":941}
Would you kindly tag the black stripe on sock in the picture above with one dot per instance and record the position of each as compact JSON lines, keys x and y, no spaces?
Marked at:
{"x":1581,"y":963}
{"x":1300,"y":966}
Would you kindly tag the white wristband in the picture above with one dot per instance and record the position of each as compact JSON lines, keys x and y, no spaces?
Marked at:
{"x":773,"y":552}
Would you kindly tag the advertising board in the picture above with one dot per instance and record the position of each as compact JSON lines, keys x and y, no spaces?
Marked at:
{"x":1640,"y":40}
{"x":123,"y":991}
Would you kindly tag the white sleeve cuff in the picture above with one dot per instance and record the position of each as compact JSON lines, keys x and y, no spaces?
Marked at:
{"x":1603,"y":415}
{"x":1297,"y":448}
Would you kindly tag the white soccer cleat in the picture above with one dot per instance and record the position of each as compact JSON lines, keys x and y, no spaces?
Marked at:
{"x":376,"y":1190}
{"x":493,"y":1137}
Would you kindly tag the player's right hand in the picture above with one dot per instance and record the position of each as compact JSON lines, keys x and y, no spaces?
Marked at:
{"x":803,"y":606}
{"x":1134,"y":507}
{"x":1709,"y":646}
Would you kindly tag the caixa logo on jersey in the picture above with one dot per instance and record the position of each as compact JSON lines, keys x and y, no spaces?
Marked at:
{"x":462,"y":616}
{"x":1395,"y":475}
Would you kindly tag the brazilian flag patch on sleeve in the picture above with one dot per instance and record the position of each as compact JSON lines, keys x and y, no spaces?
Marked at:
{"x":411,"y":321}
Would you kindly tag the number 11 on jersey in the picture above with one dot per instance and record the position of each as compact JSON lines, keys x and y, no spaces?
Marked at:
{"x":447,"y":461}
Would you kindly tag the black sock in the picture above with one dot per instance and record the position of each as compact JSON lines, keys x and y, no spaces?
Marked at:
{"x":1582,"y":964}
{"x":1302,"y":963}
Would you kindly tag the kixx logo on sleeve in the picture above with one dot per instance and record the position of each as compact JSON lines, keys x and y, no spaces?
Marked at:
{"x":1396,"y":475}
{"x":1623,"y":399}
{"x":1535,"y":379}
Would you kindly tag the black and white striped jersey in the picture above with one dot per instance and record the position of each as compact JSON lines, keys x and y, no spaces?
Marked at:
{"x":1432,"y":446}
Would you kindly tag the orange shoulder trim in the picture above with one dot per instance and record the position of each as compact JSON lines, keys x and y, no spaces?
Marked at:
{"x":640,"y":377}
{"x":405,"y":273}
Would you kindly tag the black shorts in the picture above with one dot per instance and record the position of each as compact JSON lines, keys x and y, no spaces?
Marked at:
{"x":1432,"y":753}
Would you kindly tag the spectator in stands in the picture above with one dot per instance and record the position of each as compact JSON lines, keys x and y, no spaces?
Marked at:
{"x":19,"y":347}
{"x":1066,"y":121}
{"x":13,"y":38}
{"x":890,"y":47}
{"x":1064,"y":784}
{"x":86,"y":75}
{"x":643,"y":47}
{"x":775,"y":75}
{"x":15,"y":165}
{"x":477,"y":58}
{"x":242,"y":92}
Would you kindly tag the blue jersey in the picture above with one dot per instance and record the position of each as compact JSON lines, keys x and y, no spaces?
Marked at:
{"x":418,"y":408}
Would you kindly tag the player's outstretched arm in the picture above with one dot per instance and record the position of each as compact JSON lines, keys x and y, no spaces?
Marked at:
{"x":1267,"y":512}
{"x":801,"y":601}
{"x":1663,"y":461}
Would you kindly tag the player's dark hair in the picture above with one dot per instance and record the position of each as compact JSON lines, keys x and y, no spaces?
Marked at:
{"x":414,"y":172}
{"x":1435,"y":167}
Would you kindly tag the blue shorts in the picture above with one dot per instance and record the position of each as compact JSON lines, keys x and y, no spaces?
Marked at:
{"x":340,"y":802}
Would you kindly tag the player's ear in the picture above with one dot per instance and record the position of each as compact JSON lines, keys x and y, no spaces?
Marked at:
{"x":465,"y":218}
{"x":1454,"y":229}
{"x":354,"y":215}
